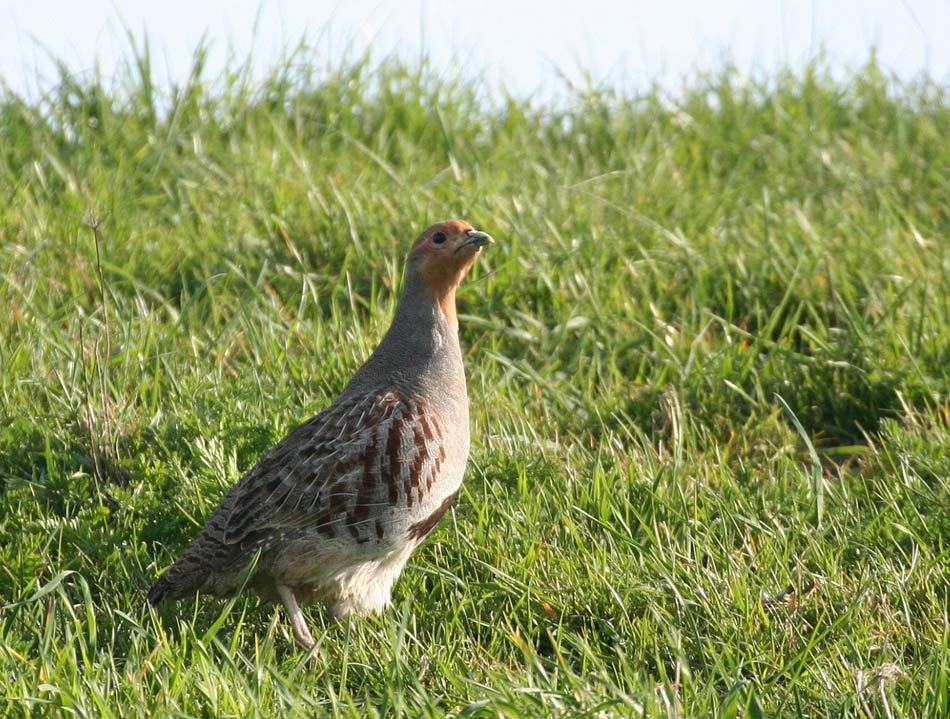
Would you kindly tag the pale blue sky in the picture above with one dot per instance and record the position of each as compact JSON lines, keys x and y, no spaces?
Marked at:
{"x":513,"y":42}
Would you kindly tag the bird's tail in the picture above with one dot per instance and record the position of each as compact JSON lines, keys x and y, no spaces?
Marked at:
{"x":183,"y":579}
{"x":173,"y":585}
{"x":159,"y":590}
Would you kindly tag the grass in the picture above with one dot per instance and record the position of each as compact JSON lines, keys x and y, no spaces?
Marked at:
{"x":709,"y":358}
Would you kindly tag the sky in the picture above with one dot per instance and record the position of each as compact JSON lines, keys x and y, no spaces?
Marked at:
{"x":527,"y":48}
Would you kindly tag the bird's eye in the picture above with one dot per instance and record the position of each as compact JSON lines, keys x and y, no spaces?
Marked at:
{"x":438,"y":238}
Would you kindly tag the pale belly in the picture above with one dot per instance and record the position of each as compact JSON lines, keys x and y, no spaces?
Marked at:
{"x":355,"y":572}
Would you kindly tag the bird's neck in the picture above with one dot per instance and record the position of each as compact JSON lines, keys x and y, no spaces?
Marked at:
{"x":430,"y":307}
{"x":420,"y":349}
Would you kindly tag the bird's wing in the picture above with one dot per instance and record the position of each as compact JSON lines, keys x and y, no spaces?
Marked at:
{"x":338,"y":471}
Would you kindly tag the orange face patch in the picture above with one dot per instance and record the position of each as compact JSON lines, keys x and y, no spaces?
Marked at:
{"x":450,"y":228}
{"x":445,"y":260}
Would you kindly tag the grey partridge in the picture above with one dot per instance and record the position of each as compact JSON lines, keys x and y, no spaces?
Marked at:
{"x":334,"y":510}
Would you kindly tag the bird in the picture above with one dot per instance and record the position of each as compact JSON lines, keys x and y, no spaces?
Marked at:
{"x":332,"y":513}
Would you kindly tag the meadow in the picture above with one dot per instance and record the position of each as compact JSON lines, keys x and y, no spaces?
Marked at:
{"x":709,"y":359}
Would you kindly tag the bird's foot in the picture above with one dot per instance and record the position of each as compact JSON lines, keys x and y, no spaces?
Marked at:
{"x":301,"y":632}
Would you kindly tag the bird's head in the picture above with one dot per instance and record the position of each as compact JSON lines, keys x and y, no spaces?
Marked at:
{"x":440,"y":258}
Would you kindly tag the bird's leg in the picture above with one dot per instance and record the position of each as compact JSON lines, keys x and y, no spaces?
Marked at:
{"x":301,"y":632}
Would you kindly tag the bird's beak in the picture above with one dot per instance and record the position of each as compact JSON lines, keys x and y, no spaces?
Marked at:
{"x":477,"y":239}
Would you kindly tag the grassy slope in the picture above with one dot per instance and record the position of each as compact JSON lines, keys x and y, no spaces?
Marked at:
{"x":710,"y":358}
